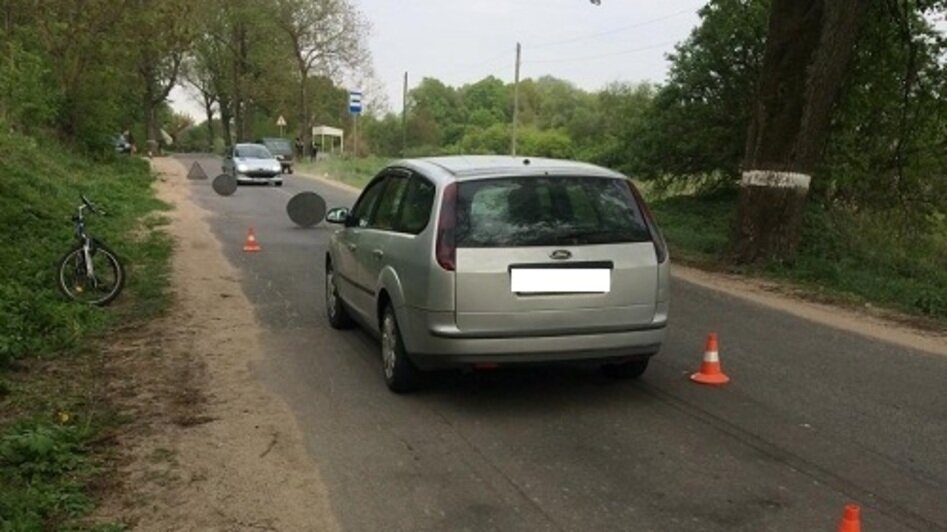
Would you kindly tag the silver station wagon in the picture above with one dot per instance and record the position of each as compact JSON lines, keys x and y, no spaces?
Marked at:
{"x":488,"y":261}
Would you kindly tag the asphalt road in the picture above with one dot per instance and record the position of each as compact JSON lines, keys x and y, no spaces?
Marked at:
{"x":814,"y":417}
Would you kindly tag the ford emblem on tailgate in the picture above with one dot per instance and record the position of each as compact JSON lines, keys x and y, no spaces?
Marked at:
{"x":561,"y":254}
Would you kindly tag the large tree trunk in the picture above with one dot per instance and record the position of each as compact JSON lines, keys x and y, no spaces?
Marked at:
{"x":209,"y":113}
{"x":150,"y":115}
{"x":808,"y":49}
{"x":304,"y":118}
{"x":226,"y":119}
{"x":238,"y":116}
{"x":239,"y":72}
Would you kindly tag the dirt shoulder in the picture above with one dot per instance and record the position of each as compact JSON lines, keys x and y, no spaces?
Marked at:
{"x":207,"y":446}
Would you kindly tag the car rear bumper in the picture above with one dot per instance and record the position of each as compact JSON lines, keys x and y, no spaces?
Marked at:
{"x":434,"y":341}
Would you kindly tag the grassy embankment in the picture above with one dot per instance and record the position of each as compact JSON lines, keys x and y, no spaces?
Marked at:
{"x":355,"y":172}
{"x":843,"y":258}
{"x":53,"y":416}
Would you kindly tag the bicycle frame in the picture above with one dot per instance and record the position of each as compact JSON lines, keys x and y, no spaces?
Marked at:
{"x":87,"y":244}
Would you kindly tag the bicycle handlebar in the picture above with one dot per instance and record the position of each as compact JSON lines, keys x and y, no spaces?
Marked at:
{"x":91,"y":206}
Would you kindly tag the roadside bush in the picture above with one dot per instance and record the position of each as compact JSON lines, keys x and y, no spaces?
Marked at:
{"x":553,"y":143}
{"x":869,"y":255}
{"x":26,"y":99}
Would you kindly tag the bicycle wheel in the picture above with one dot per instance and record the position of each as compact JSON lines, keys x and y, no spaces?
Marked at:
{"x":100,"y":288}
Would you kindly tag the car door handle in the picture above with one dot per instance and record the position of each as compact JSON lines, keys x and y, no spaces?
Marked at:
{"x":377,"y":253}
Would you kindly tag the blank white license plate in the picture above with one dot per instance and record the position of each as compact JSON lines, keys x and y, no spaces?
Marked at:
{"x":560,"y":280}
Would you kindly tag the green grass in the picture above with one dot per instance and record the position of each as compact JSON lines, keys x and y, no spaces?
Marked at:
{"x":696,"y":228}
{"x":50,"y":409}
{"x":843,"y":256}
{"x":45,"y":467}
{"x":355,"y":172}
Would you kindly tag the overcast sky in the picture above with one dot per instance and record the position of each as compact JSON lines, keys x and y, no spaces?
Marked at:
{"x":462,"y":41}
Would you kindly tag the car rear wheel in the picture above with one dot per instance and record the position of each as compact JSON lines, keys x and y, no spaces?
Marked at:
{"x":630,"y":369}
{"x":338,"y":317}
{"x":401,"y":375}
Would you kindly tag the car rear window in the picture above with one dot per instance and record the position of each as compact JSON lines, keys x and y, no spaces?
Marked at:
{"x":251,"y":151}
{"x":279,"y":146}
{"x":547,"y":211}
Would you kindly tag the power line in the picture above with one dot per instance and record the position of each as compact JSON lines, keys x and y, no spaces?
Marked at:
{"x":601,"y":56}
{"x":487,"y":62}
{"x":611,"y":31}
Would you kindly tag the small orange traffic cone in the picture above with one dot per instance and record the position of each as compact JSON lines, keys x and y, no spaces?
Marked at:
{"x":251,"y":244}
{"x":710,"y":372}
{"x":851,"y":519}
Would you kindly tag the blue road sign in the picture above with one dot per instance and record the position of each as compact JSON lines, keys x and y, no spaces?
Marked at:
{"x":355,"y":102}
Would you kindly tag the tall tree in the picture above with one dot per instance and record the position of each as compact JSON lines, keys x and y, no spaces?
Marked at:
{"x":696,"y":129}
{"x":327,"y":38}
{"x":199,"y":75}
{"x":94,"y":74}
{"x":808,"y":48}
{"x":160,"y":32}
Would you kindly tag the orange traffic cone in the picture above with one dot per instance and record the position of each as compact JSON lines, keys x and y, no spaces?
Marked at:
{"x":851,"y":519}
{"x":710,"y":372}
{"x":251,"y":244}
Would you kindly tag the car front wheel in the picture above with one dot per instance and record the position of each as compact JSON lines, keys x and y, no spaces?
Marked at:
{"x":401,"y":375}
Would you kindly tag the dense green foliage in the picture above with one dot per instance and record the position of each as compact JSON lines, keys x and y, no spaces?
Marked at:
{"x":83,"y":71}
{"x":77,"y":70}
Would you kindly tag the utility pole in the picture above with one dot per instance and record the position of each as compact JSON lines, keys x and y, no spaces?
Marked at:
{"x":404,"y":116}
{"x":516,"y":98}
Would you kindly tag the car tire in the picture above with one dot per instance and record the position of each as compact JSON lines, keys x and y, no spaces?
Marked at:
{"x":339,"y":317}
{"x":279,"y":183}
{"x":400,"y":373}
{"x":289,"y":170}
{"x":629,"y":369}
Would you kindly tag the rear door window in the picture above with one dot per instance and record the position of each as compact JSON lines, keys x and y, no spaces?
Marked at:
{"x":547,"y":211}
{"x":387,"y":214}
{"x":416,"y":207}
{"x":365,"y":206}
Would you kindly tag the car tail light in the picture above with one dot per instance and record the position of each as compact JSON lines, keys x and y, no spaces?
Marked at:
{"x":446,"y":247}
{"x":660,"y":246}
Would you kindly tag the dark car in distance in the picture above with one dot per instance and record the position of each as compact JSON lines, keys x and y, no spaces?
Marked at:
{"x":282,"y":149}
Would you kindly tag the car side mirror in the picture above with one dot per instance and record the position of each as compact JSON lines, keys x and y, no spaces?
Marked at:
{"x":338,"y":215}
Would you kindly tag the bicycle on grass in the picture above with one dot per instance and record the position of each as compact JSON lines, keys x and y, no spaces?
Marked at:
{"x":90,"y":272}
